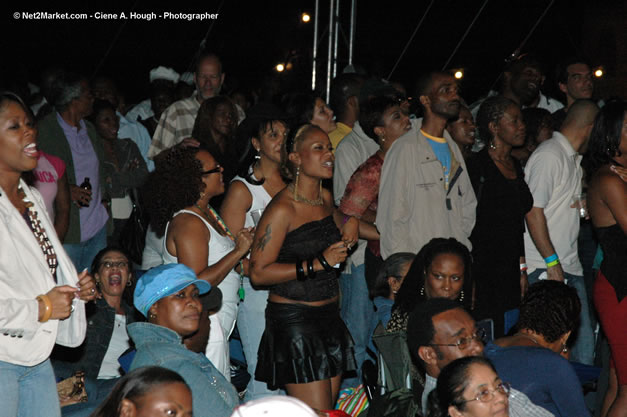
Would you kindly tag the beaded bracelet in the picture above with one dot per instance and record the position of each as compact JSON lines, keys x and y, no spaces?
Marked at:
{"x":48,"y":307}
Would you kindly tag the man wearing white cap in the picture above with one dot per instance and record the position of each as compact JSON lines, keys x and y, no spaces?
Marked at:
{"x":160,"y":76}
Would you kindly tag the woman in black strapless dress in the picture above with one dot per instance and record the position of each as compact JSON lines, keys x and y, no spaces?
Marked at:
{"x":297,"y":248}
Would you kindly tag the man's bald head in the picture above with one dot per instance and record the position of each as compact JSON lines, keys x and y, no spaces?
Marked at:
{"x":580,"y":115}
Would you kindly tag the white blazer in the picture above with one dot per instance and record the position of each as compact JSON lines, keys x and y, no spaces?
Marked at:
{"x":24,"y":275}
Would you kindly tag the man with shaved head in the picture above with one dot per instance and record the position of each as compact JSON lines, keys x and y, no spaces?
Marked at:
{"x":554,"y":174}
{"x":425,"y":191}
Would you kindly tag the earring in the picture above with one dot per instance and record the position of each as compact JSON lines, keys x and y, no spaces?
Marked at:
{"x":492,"y":145}
{"x":461,"y":296}
{"x":383,"y":138}
{"x":296,"y":183}
{"x":257,"y":156}
{"x":422,"y":291}
{"x":564,"y":348}
{"x":129,"y":283}
{"x":152,"y":316}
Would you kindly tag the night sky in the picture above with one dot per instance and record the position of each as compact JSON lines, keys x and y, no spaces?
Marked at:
{"x":252,"y":37}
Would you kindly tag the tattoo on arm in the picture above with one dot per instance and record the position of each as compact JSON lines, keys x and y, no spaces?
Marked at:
{"x":263,"y":241}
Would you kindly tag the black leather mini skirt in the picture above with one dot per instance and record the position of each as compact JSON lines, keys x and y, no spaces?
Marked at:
{"x":303,"y":344}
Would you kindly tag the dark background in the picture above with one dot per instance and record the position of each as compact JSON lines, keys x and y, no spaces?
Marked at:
{"x":252,"y":37}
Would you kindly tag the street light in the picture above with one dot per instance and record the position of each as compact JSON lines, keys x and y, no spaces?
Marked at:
{"x":458,"y":74}
{"x":598,"y":72}
{"x":280,"y":67}
{"x":305,"y":18}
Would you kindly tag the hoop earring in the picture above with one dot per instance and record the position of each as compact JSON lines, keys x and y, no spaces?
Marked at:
{"x":129,"y":283}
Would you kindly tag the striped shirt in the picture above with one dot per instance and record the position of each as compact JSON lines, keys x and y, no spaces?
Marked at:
{"x":176,"y":123}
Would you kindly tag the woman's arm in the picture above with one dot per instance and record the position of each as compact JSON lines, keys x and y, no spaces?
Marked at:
{"x":191,"y":241}
{"x":62,"y":203}
{"x":236,"y":204}
{"x":271,"y":232}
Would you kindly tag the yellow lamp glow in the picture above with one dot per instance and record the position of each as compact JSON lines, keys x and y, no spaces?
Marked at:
{"x":459,"y":74}
{"x":598,"y":73}
{"x":280,"y":67}
{"x":305,"y":17}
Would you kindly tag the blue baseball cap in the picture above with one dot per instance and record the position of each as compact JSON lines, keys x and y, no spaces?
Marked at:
{"x":162,"y":281}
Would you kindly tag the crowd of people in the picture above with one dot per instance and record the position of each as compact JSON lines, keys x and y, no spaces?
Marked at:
{"x":141,"y":245}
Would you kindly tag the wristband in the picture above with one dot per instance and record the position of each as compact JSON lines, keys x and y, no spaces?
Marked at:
{"x":523,"y":267}
{"x":551,"y":258}
{"x":300,"y":272}
{"x":310,"y":268}
{"x":48,"y":304}
{"x":324,"y":262}
{"x":553,"y":263}
{"x":346,"y":219}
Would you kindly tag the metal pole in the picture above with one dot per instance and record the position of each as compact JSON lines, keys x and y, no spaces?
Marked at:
{"x":315,"y":48}
{"x":329,"y":55}
{"x":352,"y":31}
{"x":337,"y":35}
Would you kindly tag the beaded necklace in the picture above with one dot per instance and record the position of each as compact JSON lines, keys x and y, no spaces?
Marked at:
{"x":215,"y":216}
{"x":40,"y":234}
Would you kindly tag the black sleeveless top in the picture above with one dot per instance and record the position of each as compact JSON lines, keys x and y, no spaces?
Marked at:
{"x":303,"y":243}
{"x":614,"y":266}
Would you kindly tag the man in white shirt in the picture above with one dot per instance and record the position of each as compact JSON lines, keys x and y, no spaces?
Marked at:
{"x":554,"y":174}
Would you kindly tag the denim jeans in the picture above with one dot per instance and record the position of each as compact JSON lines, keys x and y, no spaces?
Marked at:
{"x":251,"y":322}
{"x":27,"y":391}
{"x":357,"y":311}
{"x":583,"y":349}
{"x":82,"y":254}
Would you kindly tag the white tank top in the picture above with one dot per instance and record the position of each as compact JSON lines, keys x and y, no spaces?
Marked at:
{"x":219,"y":246}
{"x":261,"y":198}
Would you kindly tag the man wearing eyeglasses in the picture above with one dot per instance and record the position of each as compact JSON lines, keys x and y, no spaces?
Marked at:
{"x":440,"y":331}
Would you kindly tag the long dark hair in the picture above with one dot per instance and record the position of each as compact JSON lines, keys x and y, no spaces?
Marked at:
{"x":452,"y":382}
{"x":135,"y":385}
{"x":606,"y":135}
{"x":259,"y":120}
{"x":409,"y":293}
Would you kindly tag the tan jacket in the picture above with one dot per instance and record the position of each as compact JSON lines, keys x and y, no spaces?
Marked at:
{"x":414,"y":205}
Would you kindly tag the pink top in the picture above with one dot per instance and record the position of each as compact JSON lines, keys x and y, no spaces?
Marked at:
{"x":49,"y":170}
{"x":362,"y":192}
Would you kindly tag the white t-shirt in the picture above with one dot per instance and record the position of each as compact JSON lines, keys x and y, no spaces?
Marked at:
{"x":117,"y":346}
{"x":554,"y":174}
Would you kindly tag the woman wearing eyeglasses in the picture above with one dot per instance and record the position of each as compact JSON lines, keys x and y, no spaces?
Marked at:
{"x":177,"y":196}
{"x":532,"y":359}
{"x":106,"y":338}
{"x":469,"y":387}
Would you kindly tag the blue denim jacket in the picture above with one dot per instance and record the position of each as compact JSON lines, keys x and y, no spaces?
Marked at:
{"x":212,"y":394}
{"x":89,"y":356}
